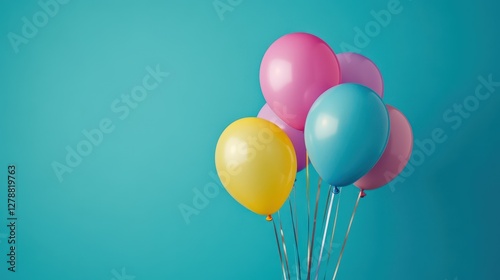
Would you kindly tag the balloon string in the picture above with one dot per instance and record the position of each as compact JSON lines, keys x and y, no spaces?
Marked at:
{"x":334,"y":227}
{"x":279,"y":250}
{"x":326,"y":208}
{"x":331,"y":194}
{"x":295,"y":233}
{"x":284,"y":246}
{"x":313,"y":230}
{"x":361,"y":194}
{"x":308,"y":190}
{"x":296,"y":215}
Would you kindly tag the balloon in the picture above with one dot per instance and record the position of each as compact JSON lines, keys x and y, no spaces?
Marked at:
{"x":296,"y":136}
{"x":346,"y":132}
{"x":359,"y":69}
{"x":396,"y":154}
{"x":296,"y":69}
{"x":256,"y":163}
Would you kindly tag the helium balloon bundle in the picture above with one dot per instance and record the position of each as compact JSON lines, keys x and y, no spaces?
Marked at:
{"x":322,"y":109}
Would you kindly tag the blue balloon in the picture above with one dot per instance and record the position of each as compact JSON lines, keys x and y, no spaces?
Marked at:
{"x":346,"y":132}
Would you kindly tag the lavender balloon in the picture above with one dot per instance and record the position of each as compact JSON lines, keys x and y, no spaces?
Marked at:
{"x":359,"y":69}
{"x":295,"y":135}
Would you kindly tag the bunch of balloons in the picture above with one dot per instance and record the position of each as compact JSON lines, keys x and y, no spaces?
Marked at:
{"x":323,"y":108}
{"x":330,"y":105}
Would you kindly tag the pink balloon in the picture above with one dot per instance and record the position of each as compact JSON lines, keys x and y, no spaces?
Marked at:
{"x":396,"y":154}
{"x":359,"y":69}
{"x":295,"y":135}
{"x":296,"y":69}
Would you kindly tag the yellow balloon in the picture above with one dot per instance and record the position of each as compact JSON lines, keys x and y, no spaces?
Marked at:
{"x":256,"y":163}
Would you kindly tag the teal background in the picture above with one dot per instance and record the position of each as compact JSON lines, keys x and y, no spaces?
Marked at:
{"x":120,"y":207}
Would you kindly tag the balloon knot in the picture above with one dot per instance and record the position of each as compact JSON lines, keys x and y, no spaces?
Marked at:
{"x":362,"y":194}
{"x":336,"y":190}
{"x":269,"y":218}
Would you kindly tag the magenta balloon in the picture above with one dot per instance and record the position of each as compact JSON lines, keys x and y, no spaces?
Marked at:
{"x":359,"y":69}
{"x":396,"y":154}
{"x":296,"y":69}
{"x":295,"y":135}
